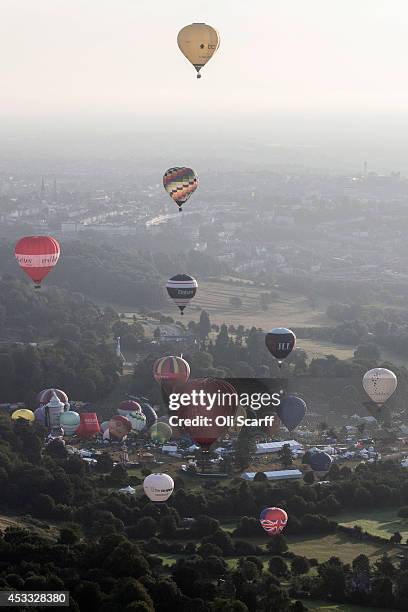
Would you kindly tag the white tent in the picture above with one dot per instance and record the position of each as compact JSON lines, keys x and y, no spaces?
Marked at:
{"x":128,"y":490}
{"x":275,"y":475}
{"x":274,"y":447}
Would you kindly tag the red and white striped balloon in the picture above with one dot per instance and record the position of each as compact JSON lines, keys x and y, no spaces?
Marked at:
{"x":37,"y":255}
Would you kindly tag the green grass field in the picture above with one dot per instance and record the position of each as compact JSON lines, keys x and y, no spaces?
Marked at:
{"x":377,"y":522}
{"x":321,"y":606}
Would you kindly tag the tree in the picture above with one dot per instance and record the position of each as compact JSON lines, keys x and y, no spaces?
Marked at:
{"x":285,"y":456}
{"x":309,"y":477}
{"x":278,"y":567}
{"x":204,"y":325}
{"x":300,"y":565}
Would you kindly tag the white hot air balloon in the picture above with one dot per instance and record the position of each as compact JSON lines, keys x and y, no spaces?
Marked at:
{"x":379,"y":384}
{"x":158,"y":487}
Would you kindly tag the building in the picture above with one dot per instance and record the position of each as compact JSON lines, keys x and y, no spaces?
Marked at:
{"x":275,"y":475}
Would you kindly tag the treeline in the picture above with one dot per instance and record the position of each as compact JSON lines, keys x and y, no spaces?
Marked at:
{"x":54,"y":338}
{"x":120,"y":275}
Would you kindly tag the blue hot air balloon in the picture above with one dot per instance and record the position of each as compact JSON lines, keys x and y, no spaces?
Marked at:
{"x":291,"y":411}
{"x":320,"y":461}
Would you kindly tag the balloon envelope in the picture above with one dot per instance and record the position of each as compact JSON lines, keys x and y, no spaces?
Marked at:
{"x":70,"y":421}
{"x":182,"y":288}
{"x":158,"y":487}
{"x":37,"y":255}
{"x":160,"y":433}
{"x":150,"y":414}
{"x":225,"y":405}
{"x":24,"y":414}
{"x":128,"y":406}
{"x":89,"y":425}
{"x":280,"y":342}
{"x":198,"y":42}
{"x":171,"y":369}
{"x":379,"y":384}
{"x":119,"y":427}
{"x":291,"y":411}
{"x":273,"y":520}
{"x":180,"y":184}
{"x":320,"y":461}
{"x":47,"y":394}
{"x":137,"y":420}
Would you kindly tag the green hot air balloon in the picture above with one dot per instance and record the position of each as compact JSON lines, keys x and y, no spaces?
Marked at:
{"x":160,"y":433}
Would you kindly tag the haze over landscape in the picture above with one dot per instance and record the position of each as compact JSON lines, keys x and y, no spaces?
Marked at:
{"x":285,"y":272}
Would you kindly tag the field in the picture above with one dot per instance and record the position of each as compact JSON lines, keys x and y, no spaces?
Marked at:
{"x":321,"y":606}
{"x":378,"y":522}
{"x":289,"y":310}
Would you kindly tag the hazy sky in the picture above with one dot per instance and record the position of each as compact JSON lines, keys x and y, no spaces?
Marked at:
{"x":120,"y":57}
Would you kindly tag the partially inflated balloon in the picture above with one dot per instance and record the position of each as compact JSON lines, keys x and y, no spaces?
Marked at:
{"x":273,"y":520}
{"x":158,"y":487}
{"x":47,"y":394}
{"x":70,"y":422}
{"x":137,"y":420}
{"x":280,"y":342}
{"x":182,"y":288}
{"x":291,"y":411}
{"x":128,"y":406}
{"x":23,"y":414}
{"x":198,"y":42}
{"x":160,"y":433}
{"x":37,"y":255}
{"x":180,"y":183}
{"x":320,"y":461}
{"x":379,"y":384}
{"x":119,"y":427}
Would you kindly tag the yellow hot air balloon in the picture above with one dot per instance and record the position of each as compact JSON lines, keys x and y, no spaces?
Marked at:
{"x":198,"y":42}
{"x":23,"y":413}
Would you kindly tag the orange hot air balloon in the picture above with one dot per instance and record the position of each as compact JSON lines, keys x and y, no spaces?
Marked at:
{"x":37,"y":255}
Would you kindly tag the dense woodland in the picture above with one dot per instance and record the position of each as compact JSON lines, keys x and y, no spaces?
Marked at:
{"x":104,"y":547}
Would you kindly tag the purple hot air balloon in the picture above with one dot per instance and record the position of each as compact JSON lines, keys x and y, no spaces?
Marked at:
{"x":291,"y":411}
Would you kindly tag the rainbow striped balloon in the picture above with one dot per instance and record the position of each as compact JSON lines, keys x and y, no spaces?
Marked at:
{"x":180,"y":183}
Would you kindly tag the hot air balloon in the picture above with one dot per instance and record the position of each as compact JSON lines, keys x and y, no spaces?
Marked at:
{"x":46,"y":394}
{"x":119,"y":427}
{"x":70,"y":421}
{"x":198,"y":42}
{"x":104,"y":426}
{"x":37,"y":255}
{"x":205,"y":432}
{"x":171,"y":370}
{"x":180,"y":183}
{"x":319,"y":461}
{"x":137,"y":420}
{"x":160,"y":433}
{"x":23,"y":414}
{"x":150,"y":414}
{"x":128,"y":406}
{"x":280,"y":342}
{"x":53,"y":411}
{"x":291,"y":411}
{"x":89,"y":425}
{"x":273,"y":520}
{"x":39,"y":414}
{"x":182,"y":288}
{"x":379,"y":384}
{"x":158,"y":487}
